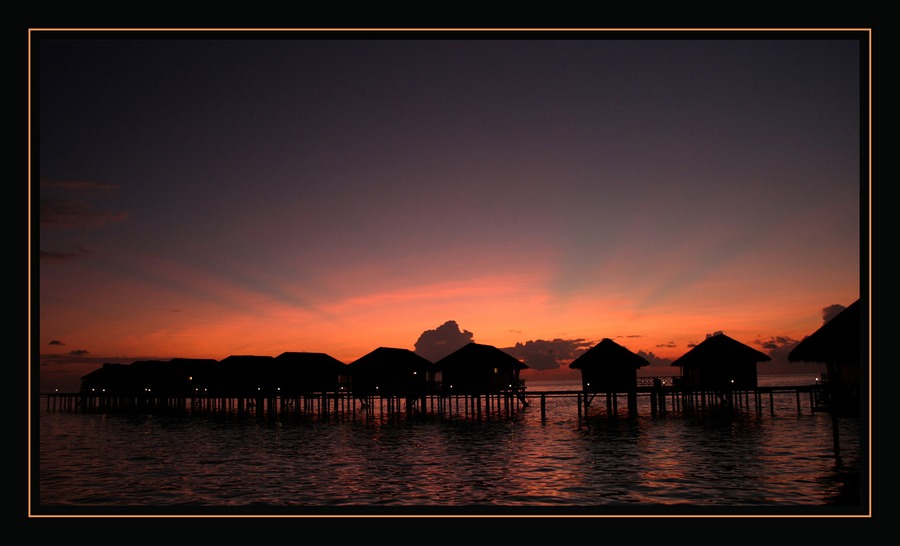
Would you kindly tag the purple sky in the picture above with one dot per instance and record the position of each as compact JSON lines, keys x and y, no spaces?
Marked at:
{"x":267,"y":193}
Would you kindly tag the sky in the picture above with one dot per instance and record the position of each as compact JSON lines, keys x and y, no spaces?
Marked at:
{"x":199,"y":195}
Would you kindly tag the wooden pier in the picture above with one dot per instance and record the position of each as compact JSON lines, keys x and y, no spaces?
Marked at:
{"x":662,"y":399}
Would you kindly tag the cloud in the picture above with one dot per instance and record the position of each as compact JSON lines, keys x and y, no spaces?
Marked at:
{"x":66,"y":204}
{"x":654,"y":360}
{"x":829,"y":312}
{"x":51,"y":256}
{"x":777,"y":347}
{"x":777,"y":342}
{"x":443,"y":340}
{"x":79,"y":186}
{"x":64,"y":371}
{"x":548,"y":355}
{"x":691,"y":345}
{"x":56,"y":342}
{"x":71,"y":213}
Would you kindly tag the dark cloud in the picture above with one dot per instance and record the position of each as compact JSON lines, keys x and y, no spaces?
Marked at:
{"x":68,"y":204}
{"x":79,"y":186}
{"x":51,"y":256}
{"x":777,"y":343}
{"x":777,"y":348}
{"x":82,"y":356}
{"x":691,"y":345}
{"x":64,"y":371}
{"x":443,"y":340}
{"x":655,"y":360}
{"x":70,"y":213}
{"x":56,"y":342}
{"x":829,"y":312}
{"x":548,"y":355}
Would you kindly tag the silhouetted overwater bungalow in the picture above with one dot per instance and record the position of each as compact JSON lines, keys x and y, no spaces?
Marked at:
{"x":154,"y":377}
{"x":389,"y":371}
{"x":245,"y":376}
{"x":476,"y":368}
{"x":720,"y":364}
{"x":837,"y":345}
{"x":192,"y":376}
{"x":112,"y":379}
{"x":609,"y":368}
{"x":176,"y":377}
{"x":141,"y":377}
{"x":142,"y":384}
{"x":304,"y":383}
{"x":303,"y":373}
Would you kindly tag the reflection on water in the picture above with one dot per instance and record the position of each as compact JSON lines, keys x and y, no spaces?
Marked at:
{"x":596,"y":464}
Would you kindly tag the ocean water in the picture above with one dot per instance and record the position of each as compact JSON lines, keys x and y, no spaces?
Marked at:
{"x":779,"y":461}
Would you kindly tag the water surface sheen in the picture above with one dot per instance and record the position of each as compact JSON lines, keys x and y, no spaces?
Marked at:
{"x":598,"y":464}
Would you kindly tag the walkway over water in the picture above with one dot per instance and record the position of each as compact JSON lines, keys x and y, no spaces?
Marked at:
{"x":662,"y":399}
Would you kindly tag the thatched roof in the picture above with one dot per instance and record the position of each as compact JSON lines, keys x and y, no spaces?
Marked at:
{"x":250,"y":359}
{"x":200,"y":362}
{"x":720,"y":349}
{"x":608,"y":353}
{"x":388,"y":360}
{"x":473,"y":356}
{"x":311,"y":362}
{"x":243,"y":362}
{"x":107,"y":370}
{"x":836,"y":341}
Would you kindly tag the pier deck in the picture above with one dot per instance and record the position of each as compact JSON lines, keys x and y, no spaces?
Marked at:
{"x":663,"y":400}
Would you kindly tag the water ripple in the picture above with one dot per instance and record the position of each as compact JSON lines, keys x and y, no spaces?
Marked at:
{"x":89,"y":460}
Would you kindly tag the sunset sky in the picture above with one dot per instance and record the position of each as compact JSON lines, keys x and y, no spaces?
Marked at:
{"x":256,"y":193}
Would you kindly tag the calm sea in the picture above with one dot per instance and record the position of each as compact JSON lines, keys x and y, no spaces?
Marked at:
{"x":562,"y":464}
